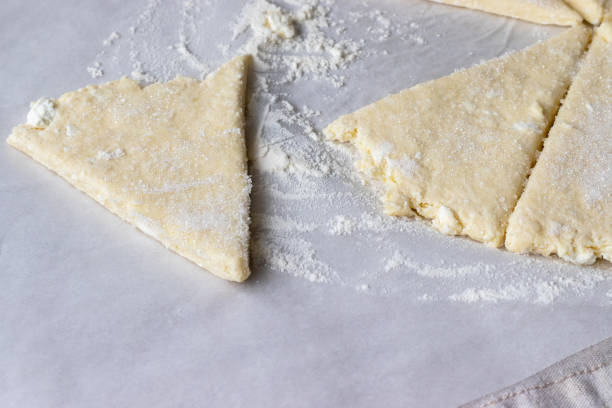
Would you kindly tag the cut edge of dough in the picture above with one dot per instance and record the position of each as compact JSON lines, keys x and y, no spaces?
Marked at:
{"x":569,"y":250}
{"x":536,"y":157}
{"x":395,"y":203}
{"x":573,"y":253}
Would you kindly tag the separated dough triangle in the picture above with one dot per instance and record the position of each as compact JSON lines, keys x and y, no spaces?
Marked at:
{"x":538,"y":11}
{"x":169,"y":158}
{"x":567,"y":206}
{"x":458,"y":149}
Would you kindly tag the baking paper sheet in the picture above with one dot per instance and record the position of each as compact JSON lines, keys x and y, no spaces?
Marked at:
{"x":94,"y":313}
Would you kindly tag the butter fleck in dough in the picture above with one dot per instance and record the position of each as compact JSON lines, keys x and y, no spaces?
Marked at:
{"x":169,"y":158}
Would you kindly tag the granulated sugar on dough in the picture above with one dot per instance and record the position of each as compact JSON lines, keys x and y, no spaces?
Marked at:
{"x":312,"y":216}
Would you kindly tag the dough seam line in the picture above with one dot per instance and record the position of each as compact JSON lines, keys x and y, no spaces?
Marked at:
{"x":547,"y":134}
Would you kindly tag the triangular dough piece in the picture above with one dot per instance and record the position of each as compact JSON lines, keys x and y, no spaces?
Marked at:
{"x":458,"y":149}
{"x":567,"y":206}
{"x":591,"y":10}
{"x":554,"y":12}
{"x":169,"y":158}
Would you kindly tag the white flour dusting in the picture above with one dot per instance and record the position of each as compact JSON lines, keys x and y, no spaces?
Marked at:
{"x":182,"y":48}
{"x":114,"y":36}
{"x":144,"y":78}
{"x":280,"y":224}
{"x":294,"y":256}
{"x":342,"y":225}
{"x":530,"y":280}
{"x":95,"y":70}
{"x":312,"y":218}
{"x":295,"y":40}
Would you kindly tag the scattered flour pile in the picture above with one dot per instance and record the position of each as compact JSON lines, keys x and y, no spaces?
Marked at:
{"x":295,"y":40}
{"x":312,"y":217}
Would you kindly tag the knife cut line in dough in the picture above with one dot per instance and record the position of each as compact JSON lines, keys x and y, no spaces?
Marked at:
{"x":458,"y":149}
{"x":554,"y":12}
{"x":169,"y":158}
{"x":566,"y":208}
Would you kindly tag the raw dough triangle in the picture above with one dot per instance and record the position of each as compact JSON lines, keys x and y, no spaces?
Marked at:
{"x":538,"y":11}
{"x":458,"y":149}
{"x":591,"y":10}
{"x":169,"y":158}
{"x":567,"y":206}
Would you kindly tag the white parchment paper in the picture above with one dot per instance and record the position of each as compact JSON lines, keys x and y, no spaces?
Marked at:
{"x":359,"y":313}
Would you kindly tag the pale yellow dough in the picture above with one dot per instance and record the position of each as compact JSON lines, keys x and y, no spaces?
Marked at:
{"x":605,"y":30}
{"x":555,"y":12}
{"x":169,"y":158}
{"x":567,"y":206}
{"x":591,"y":10}
{"x":458,"y":149}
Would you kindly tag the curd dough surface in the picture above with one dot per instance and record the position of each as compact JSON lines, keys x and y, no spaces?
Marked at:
{"x":169,"y":158}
